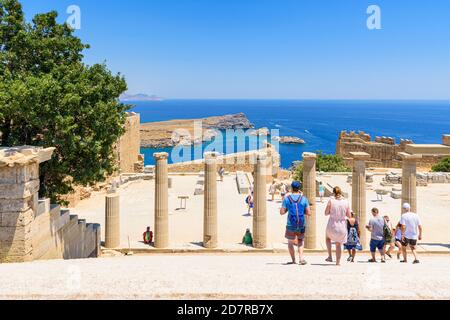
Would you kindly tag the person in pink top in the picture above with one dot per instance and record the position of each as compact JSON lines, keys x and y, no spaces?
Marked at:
{"x":338,"y":209}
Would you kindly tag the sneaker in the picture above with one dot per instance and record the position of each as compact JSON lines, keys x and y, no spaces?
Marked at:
{"x":372,"y":261}
{"x":349,"y":259}
{"x":403,"y":261}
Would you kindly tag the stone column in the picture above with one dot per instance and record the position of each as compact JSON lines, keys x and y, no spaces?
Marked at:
{"x":260,"y":200}
{"x":359,"y":192}
{"x":161,"y":201}
{"x":309,"y":190}
{"x":112,"y":219}
{"x":19,"y":186}
{"x":210,"y":201}
{"x":409,"y":179}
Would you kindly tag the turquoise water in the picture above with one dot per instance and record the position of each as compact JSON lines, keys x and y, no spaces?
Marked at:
{"x":317,"y":122}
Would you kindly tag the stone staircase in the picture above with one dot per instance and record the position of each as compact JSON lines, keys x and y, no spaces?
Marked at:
{"x":56,"y":234}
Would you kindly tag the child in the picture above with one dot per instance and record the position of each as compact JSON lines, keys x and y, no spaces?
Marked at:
{"x":353,"y":242}
{"x":388,"y":237}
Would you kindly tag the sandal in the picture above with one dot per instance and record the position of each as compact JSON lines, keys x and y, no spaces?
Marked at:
{"x":303,"y":263}
{"x":383,"y":261}
{"x":329,"y":259}
{"x":290,"y":263}
{"x":416,"y":262}
{"x":403,"y":261}
{"x":372,"y":261}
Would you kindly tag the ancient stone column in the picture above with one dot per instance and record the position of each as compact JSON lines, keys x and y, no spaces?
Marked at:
{"x":309,"y":190}
{"x":260,"y":200}
{"x":161,"y":201}
{"x":409,"y":179}
{"x":359,"y":192}
{"x":19,"y":186}
{"x":210,"y":201}
{"x":112,"y":219}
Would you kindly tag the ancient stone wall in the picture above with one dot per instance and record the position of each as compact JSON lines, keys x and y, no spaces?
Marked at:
{"x":129,"y":145}
{"x":446,"y":139}
{"x":30,"y":228}
{"x":383,"y":151}
{"x":243,"y":161}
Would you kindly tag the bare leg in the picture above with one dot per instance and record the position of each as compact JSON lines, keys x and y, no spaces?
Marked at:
{"x":383,"y":256}
{"x":353,"y":254}
{"x":301,"y":245}
{"x":291,"y":250}
{"x":414,"y":252}
{"x":338,"y":253}
{"x":405,"y":254}
{"x":328,"y":242}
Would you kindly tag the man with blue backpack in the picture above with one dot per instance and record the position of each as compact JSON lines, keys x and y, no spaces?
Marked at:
{"x":296,"y":206}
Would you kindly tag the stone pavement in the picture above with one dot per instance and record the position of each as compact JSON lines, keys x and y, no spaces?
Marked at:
{"x":232,"y":276}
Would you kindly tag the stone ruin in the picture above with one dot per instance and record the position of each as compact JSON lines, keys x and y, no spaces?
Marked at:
{"x":32,"y":228}
{"x":383,"y":151}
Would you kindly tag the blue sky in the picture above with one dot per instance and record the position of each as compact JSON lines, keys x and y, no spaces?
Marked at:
{"x":268,"y":49}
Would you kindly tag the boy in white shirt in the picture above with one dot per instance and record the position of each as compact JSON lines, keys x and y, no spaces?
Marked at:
{"x":411,"y":232}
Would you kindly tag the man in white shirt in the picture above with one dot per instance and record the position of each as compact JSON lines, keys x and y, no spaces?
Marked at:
{"x":411,"y":232}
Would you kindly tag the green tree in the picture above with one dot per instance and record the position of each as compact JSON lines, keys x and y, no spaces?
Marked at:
{"x":50,"y":98}
{"x":442,"y":166}
{"x":324,"y":163}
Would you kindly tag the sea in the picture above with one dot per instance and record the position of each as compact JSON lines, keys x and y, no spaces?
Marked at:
{"x":317,"y":122}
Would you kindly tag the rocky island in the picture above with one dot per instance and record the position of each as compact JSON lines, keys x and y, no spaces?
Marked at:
{"x":173,"y":132}
{"x":289,"y":140}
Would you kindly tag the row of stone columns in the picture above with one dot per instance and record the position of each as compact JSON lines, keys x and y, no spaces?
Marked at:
{"x":409,"y":186}
{"x":210,"y":234}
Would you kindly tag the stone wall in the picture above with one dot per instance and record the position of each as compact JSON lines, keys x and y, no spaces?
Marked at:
{"x":129,"y":145}
{"x":384,"y":150}
{"x":446,"y":139}
{"x":242,"y":161}
{"x":31,"y":229}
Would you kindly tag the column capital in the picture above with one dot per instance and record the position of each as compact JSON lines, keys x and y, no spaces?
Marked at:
{"x":409,"y":157}
{"x":360,"y":156}
{"x":309,"y":156}
{"x":161,"y":155}
{"x":21,"y":156}
{"x":210,"y":155}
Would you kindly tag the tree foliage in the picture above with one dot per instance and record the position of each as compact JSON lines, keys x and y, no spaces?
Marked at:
{"x":50,"y":98}
{"x":442,"y":166}
{"x":324,"y":163}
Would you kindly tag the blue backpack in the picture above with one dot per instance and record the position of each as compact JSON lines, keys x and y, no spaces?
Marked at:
{"x":295,"y":217}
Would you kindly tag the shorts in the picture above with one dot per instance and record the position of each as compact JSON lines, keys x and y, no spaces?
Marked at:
{"x":409,"y":242}
{"x":376,"y":244}
{"x":294,"y":233}
{"x":321,"y":194}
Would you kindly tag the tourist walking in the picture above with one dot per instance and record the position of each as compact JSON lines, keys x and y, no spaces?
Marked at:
{"x":272,"y":190}
{"x":377,"y":241}
{"x":411,"y":232}
{"x":321,"y":191}
{"x":297,"y":207}
{"x":221,"y":173}
{"x":398,"y":240}
{"x":250,"y":203}
{"x":283,"y":191}
{"x":338,"y":209}
{"x":353,"y":237}
{"x":389,"y":239}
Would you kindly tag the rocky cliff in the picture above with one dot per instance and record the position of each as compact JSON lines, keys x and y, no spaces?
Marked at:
{"x":170,"y":133}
